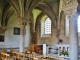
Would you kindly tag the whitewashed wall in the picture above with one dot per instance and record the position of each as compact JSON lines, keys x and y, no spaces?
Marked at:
{"x":12,"y":40}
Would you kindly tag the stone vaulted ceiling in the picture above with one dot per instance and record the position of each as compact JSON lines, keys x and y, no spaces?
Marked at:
{"x":5,"y":12}
{"x":28,"y":10}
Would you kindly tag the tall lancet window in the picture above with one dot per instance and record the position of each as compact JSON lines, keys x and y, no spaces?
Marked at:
{"x":47,"y":26}
{"x":78,"y":23}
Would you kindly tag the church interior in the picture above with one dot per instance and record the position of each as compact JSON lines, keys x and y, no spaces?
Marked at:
{"x":39,"y":29}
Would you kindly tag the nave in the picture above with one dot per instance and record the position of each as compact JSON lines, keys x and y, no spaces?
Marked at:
{"x":51,"y":22}
{"x":26,"y":55}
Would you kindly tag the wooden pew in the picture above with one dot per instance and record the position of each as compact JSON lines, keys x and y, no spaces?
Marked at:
{"x":5,"y":56}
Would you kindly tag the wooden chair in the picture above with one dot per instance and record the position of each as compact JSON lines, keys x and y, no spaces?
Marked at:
{"x":52,"y":57}
{"x":61,"y":58}
{"x":35,"y":58}
{"x":45,"y":58}
{"x":5,"y":56}
{"x":28,"y":54}
{"x":18,"y":58}
{"x":3,"y":50}
{"x":12,"y":51}
{"x":2,"y":54}
{"x":33,"y":54}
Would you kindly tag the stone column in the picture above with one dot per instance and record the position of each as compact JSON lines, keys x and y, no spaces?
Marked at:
{"x":70,"y":8}
{"x":73,"y":38}
{"x":22,"y":23}
{"x":55,"y":36}
{"x":22,"y":27}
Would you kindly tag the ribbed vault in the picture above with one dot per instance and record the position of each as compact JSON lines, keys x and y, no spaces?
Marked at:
{"x":24,"y":11}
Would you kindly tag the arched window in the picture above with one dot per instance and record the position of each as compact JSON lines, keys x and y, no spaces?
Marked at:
{"x":66,"y":25}
{"x":47,"y":26}
{"x":78,"y":23}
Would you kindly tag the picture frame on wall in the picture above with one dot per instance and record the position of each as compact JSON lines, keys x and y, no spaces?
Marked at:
{"x":1,"y":38}
{"x":16,"y":31}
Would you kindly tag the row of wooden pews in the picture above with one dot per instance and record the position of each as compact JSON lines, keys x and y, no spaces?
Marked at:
{"x":25,"y":55}
{"x":4,"y":55}
{"x":17,"y":55}
{"x":14,"y":55}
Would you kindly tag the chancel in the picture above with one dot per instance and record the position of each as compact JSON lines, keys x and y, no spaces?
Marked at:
{"x":39,"y":29}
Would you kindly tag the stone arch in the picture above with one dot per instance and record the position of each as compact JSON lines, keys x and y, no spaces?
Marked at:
{"x":38,"y":20}
{"x":37,"y":25}
{"x":50,"y":14}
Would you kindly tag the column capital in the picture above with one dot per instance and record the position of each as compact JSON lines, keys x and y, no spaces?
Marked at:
{"x":22,"y":21}
{"x":71,"y":12}
{"x":70,"y":7}
{"x":69,"y":4}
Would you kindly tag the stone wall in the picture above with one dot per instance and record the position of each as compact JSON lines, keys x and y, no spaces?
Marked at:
{"x":11,"y":40}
